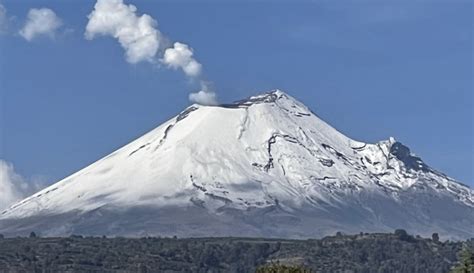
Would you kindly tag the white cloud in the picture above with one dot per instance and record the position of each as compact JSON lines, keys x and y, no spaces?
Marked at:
{"x":138,"y":35}
{"x":41,"y":21}
{"x":12,"y":186}
{"x":181,"y":56}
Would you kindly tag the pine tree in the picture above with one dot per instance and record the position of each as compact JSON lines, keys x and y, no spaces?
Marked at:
{"x":466,"y":261}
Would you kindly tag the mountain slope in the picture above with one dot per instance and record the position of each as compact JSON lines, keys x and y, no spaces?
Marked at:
{"x":264,"y":166}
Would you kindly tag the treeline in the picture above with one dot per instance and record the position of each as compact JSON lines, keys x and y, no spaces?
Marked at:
{"x":367,"y":253}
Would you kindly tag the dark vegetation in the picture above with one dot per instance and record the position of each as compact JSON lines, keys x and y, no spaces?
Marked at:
{"x":282,"y":268}
{"x":378,"y":253}
{"x":466,"y":260}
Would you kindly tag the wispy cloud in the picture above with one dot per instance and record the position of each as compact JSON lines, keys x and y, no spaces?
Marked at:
{"x":40,"y":22}
{"x":3,"y":19}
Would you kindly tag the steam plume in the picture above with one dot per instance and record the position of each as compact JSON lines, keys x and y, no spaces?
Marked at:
{"x":205,"y":96}
{"x":181,"y":56}
{"x":141,"y":39}
{"x":138,"y":35}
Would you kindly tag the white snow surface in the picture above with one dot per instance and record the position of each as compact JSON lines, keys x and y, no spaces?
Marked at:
{"x":268,"y":150}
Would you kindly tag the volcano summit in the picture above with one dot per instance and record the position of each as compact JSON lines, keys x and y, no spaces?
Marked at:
{"x":264,"y":166}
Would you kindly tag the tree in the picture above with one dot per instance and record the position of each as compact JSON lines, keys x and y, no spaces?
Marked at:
{"x":435,"y":237}
{"x":32,"y":234}
{"x":281,"y":268}
{"x":402,"y":235}
{"x":466,"y":261}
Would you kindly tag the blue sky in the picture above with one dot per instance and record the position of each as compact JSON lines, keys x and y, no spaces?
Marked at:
{"x":372,"y":69}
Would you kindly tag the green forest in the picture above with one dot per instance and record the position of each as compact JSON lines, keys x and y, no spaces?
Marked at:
{"x":368,"y":253}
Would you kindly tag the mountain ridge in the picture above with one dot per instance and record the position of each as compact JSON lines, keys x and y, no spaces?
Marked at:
{"x":265,"y":160}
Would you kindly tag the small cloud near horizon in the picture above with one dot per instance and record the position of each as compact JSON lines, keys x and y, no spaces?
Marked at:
{"x":14,"y":187}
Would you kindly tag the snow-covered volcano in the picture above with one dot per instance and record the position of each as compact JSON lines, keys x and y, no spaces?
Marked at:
{"x":263,"y":166}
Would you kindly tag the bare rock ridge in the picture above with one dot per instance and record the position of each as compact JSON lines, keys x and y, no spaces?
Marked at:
{"x":263,"y":166}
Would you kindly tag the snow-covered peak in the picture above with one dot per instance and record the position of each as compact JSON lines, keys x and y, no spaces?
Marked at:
{"x":275,"y":93}
{"x":258,"y":153}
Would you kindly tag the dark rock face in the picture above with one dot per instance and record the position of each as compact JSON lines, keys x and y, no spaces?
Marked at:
{"x":266,"y":98}
{"x":186,"y":113}
{"x":402,"y":153}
